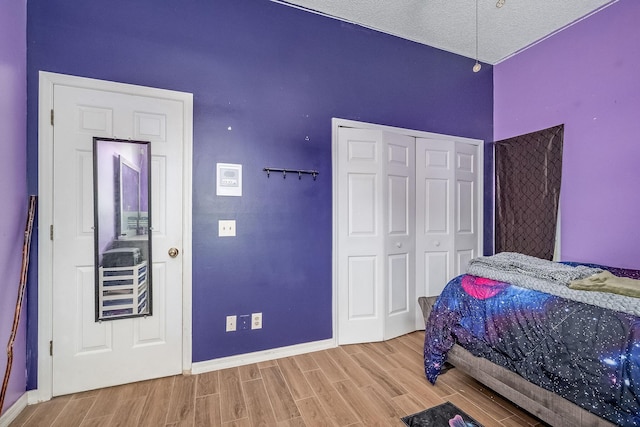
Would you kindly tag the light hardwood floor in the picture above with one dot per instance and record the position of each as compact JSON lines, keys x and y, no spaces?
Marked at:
{"x":356,"y":385}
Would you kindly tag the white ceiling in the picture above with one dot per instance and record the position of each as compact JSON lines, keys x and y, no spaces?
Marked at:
{"x":451,"y":24}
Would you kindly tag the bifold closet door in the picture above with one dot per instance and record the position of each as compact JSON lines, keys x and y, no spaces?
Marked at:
{"x":360,"y":239}
{"x":376,"y":259}
{"x":467,"y":234}
{"x":399,"y":234}
{"x":447,"y":212}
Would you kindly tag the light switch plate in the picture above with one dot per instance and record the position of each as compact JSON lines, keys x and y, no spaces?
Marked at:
{"x":227,"y":228}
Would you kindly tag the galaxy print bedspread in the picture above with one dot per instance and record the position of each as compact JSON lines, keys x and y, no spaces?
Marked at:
{"x":589,"y":355}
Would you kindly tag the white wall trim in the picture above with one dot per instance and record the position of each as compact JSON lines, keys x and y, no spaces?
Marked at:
{"x":187,"y":235}
{"x":47,"y":82}
{"x":33,"y":397}
{"x":261,"y":356}
{"x":337,"y":123}
{"x":14,"y":410}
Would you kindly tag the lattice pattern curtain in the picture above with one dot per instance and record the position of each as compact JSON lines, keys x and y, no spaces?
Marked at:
{"x":528,"y":176}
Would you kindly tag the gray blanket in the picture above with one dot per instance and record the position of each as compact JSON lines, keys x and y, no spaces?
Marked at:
{"x":549,"y":277}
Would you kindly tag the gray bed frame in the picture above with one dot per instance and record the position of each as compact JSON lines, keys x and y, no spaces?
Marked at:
{"x":541,"y":403}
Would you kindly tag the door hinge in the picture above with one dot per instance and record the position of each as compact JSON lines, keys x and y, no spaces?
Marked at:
{"x":52,"y":117}
{"x":50,"y":348}
{"x":51,"y":232}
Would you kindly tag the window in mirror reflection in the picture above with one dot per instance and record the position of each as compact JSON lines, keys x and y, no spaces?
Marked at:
{"x":121,"y":228}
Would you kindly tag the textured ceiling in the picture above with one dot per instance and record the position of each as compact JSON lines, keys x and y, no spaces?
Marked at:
{"x":451,"y":24}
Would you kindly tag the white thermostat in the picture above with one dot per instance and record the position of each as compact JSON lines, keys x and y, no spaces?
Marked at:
{"x":228,"y":179}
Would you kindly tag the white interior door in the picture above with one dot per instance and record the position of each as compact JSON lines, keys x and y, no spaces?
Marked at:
{"x":89,"y":354}
{"x":399,"y":238}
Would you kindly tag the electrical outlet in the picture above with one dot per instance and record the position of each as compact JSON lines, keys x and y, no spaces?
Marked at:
{"x":227,"y":228}
{"x":244,"y":321}
{"x":231,"y":323}
{"x":256,"y":320}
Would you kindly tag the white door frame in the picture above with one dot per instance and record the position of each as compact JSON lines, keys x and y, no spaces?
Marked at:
{"x":47,"y":81}
{"x":336,"y":123}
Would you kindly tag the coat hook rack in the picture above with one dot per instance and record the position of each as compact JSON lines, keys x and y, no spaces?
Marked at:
{"x":300,"y":172}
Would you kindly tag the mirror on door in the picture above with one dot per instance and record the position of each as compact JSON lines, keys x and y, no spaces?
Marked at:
{"x":122,"y":216}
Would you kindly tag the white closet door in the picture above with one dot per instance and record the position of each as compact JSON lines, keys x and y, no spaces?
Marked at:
{"x":399,"y":238}
{"x":407,"y":223}
{"x":467,"y":235}
{"x":360,"y":236}
{"x":435,"y":202}
{"x":447,"y":212}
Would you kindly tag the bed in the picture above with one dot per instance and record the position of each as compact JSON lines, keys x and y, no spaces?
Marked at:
{"x":570,"y":357}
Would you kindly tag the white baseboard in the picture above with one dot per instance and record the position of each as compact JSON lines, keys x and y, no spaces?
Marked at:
{"x":33,"y":397}
{"x":14,"y":410}
{"x":261,"y":356}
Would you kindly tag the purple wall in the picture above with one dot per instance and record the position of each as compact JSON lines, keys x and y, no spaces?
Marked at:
{"x":13,"y":185}
{"x":275,"y":75}
{"x":587,"y":77}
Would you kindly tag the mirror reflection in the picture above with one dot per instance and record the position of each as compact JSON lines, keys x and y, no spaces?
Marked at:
{"x":121,"y":228}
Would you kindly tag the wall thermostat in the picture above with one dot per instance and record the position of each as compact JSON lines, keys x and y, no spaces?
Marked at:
{"x":228,"y":179}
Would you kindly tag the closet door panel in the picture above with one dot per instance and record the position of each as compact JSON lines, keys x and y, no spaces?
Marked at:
{"x":362,"y":194}
{"x":466,"y":181}
{"x":436,"y":207}
{"x":398,"y":279}
{"x":360,"y":235}
{"x":362,"y":287}
{"x":435,"y":270}
{"x":399,"y":239}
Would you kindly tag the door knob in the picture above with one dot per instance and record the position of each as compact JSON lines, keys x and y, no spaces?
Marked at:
{"x":399,"y":244}
{"x":173,"y":252}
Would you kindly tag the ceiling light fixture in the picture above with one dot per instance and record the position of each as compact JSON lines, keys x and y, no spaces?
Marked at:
{"x":476,"y":66}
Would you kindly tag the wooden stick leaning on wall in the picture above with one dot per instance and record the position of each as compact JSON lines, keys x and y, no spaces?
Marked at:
{"x":21,"y":288}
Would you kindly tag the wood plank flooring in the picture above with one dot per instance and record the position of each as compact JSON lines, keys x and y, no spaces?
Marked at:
{"x":356,"y":385}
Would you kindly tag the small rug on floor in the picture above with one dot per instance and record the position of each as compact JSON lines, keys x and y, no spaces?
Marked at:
{"x":445,"y":415}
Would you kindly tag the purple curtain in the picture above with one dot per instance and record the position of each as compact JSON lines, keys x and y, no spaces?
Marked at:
{"x":528,"y":176}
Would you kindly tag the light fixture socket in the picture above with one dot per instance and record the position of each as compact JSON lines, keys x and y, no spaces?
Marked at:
{"x":477,"y":66}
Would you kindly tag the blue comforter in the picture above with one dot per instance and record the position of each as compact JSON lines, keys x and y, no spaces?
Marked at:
{"x":589,"y":355}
